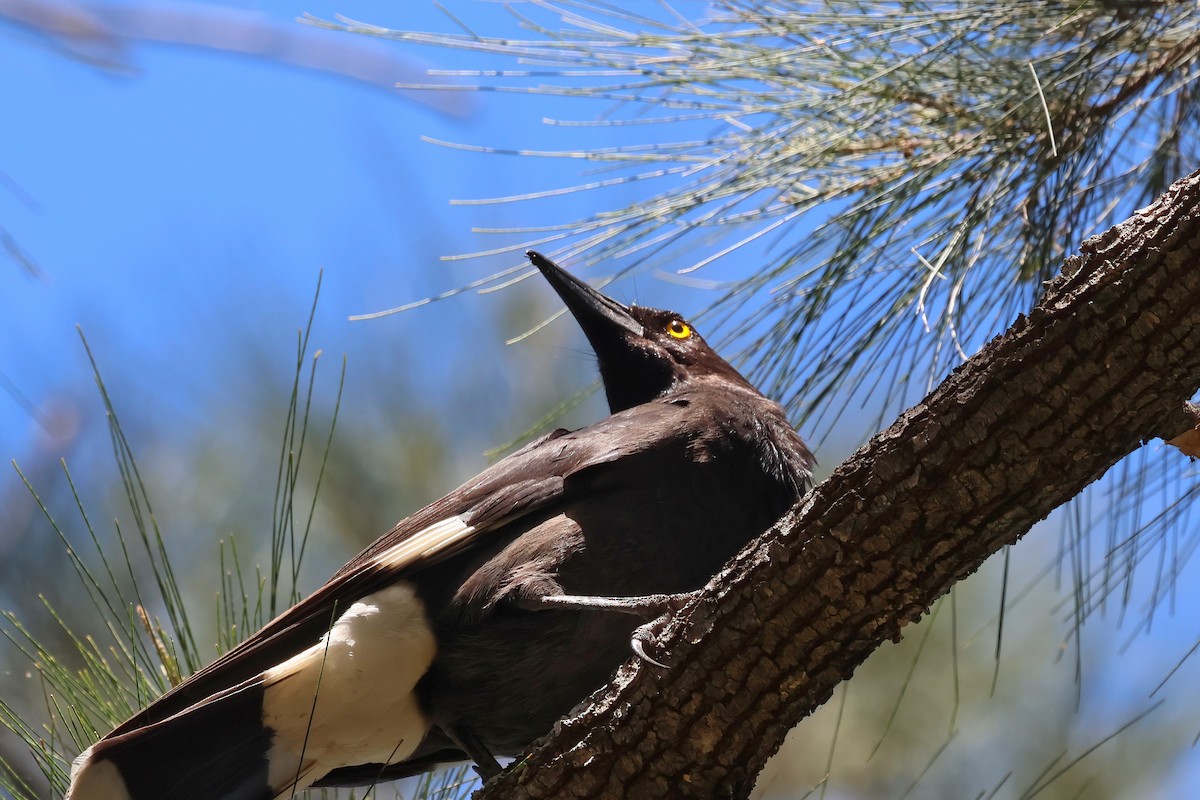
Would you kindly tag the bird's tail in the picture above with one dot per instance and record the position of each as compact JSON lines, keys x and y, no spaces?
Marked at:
{"x":217,"y":750}
{"x":345,"y":701}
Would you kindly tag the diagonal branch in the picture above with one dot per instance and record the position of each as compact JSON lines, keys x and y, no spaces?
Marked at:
{"x":1104,"y":363}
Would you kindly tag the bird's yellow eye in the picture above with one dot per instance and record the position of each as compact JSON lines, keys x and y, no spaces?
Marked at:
{"x":679,"y":329}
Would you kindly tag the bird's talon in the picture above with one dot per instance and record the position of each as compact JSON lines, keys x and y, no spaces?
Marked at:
{"x":639,"y":649}
{"x":646,"y":634}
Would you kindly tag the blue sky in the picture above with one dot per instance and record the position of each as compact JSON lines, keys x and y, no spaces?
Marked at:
{"x":202,"y":193}
{"x":192,"y":193}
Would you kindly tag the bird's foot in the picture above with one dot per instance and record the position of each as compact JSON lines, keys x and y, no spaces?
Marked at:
{"x":659,"y":609}
{"x":649,"y":633}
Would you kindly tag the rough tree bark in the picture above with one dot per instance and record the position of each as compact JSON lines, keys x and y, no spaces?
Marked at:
{"x":1104,"y":363}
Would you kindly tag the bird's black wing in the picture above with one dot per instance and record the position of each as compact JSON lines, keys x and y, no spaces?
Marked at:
{"x":533,"y":479}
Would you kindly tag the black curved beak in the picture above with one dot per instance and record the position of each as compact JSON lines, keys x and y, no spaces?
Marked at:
{"x":596,"y":314}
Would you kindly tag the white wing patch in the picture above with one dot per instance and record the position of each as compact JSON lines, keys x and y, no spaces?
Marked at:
{"x":96,"y":780}
{"x":359,"y":679}
{"x":437,"y":536}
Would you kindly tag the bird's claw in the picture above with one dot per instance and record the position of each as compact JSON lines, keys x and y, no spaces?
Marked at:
{"x":640,"y":638}
{"x":650,"y":632}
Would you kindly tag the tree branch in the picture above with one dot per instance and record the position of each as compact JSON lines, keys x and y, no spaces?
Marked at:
{"x":101,"y":34}
{"x":1104,"y":363}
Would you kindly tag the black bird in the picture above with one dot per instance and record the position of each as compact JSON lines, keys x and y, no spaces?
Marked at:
{"x":475,"y":623}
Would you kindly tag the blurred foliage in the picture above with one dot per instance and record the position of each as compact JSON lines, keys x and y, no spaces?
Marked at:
{"x":943,"y":715}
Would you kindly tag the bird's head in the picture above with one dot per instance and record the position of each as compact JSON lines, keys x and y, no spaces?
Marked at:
{"x":644,"y":353}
